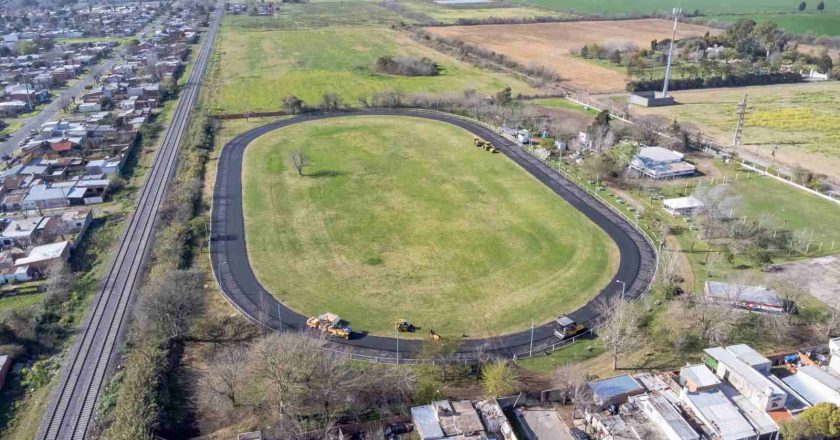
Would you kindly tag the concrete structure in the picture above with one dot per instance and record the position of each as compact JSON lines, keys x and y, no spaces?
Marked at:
{"x":698,"y":378}
{"x":682,"y":206}
{"x":717,"y":412}
{"x":614,"y":390}
{"x":814,"y":385}
{"x":444,"y":419}
{"x":663,"y":414}
{"x":650,"y":99}
{"x":755,"y":386}
{"x":41,"y":257}
{"x":661,"y":163}
{"x":752,"y":298}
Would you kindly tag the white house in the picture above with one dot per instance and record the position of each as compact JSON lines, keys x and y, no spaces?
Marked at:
{"x":681,"y":206}
{"x":661,"y":163}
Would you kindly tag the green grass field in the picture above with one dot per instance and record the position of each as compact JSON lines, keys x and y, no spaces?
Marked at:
{"x":560,"y":103}
{"x":402,"y":218}
{"x":315,"y":15}
{"x":452,"y":13}
{"x":260,"y":68}
{"x":801,"y":119}
{"x":827,"y":23}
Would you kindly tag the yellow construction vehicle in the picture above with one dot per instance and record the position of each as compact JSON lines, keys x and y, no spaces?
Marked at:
{"x":489,"y":147}
{"x":478,"y":142}
{"x":568,"y":327}
{"x":404,"y":326}
{"x":331,"y":324}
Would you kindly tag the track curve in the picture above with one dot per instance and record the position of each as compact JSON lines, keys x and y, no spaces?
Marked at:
{"x":239,"y":284}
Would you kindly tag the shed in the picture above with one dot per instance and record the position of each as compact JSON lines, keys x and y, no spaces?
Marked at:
{"x":426,"y":424}
{"x":681,"y":206}
{"x":698,"y":378}
{"x":752,"y":298}
{"x":615,"y":390}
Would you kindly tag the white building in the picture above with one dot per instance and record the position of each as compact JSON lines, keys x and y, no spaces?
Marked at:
{"x":661,"y":163}
{"x":749,"y":381}
{"x":681,"y":206}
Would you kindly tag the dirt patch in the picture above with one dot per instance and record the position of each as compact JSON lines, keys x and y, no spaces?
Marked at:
{"x":551,"y":44}
{"x":818,"y":276}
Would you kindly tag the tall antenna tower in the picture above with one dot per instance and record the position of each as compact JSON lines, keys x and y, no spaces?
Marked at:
{"x":741,"y":112}
{"x":677,"y":13}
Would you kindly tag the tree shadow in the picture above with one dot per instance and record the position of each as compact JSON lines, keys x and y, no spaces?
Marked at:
{"x":325,"y":174}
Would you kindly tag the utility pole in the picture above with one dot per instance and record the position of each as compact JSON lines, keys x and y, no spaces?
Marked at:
{"x":398,"y":348}
{"x":623,"y":288}
{"x":741,"y":112}
{"x":531,"y":349}
{"x":677,"y":12}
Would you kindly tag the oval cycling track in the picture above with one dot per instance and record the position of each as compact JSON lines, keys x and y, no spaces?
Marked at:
{"x":236,"y":279}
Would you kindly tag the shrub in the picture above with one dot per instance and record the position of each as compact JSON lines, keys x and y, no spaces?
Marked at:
{"x":406,"y":66}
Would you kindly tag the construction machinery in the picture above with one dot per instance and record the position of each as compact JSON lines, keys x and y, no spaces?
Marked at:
{"x":404,"y":326}
{"x":568,"y":327}
{"x":481,"y":143}
{"x":331,"y":324}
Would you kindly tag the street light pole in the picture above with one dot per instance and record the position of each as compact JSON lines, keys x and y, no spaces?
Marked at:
{"x":531,"y":349}
{"x":398,"y":348}
{"x":623,"y":288}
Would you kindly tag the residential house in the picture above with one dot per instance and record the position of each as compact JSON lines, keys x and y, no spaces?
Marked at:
{"x":661,"y":163}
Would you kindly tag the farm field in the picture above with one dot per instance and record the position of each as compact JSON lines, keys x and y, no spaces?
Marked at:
{"x":802,"y":119}
{"x":551,"y":45}
{"x":452,"y":13}
{"x":619,"y":7}
{"x":260,"y":68}
{"x":314,"y":15}
{"x":797,"y":23}
{"x":402,"y":218}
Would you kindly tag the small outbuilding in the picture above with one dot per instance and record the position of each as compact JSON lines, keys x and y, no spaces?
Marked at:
{"x":752,"y":298}
{"x":682,"y":206}
{"x":661,"y":163}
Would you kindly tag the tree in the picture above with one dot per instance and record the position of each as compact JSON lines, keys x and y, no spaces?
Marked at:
{"x":59,"y":283}
{"x":802,"y":6}
{"x":292,"y":104}
{"x":498,"y":379}
{"x":770,"y":36}
{"x":824,"y":62}
{"x":603,"y":119}
{"x":330,"y":101}
{"x":821,"y":5}
{"x":169,"y":302}
{"x":571,"y":381}
{"x":619,"y":330}
{"x":222,"y":387}
{"x":615,"y":57}
{"x":503,"y":97}
{"x":299,"y":160}
{"x":821,"y":420}
{"x":584,"y":51}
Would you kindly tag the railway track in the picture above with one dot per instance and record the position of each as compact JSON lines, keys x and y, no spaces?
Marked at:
{"x":83,"y":372}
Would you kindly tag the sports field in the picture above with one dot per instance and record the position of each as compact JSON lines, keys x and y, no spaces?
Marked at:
{"x":801,"y":119}
{"x":552,"y":44}
{"x":402,"y":218}
{"x":261,"y":67}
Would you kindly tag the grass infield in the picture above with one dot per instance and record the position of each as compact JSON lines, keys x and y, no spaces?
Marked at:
{"x":401,"y":217}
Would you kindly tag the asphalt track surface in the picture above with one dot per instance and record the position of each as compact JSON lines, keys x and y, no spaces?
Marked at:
{"x":86,"y":364}
{"x":236,"y":279}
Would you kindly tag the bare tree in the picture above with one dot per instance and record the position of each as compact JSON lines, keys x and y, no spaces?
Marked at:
{"x":222,"y":388}
{"x":299,"y":160}
{"x":619,"y":329}
{"x":830,"y":323}
{"x":59,"y":283}
{"x":170,"y":301}
{"x":571,"y":381}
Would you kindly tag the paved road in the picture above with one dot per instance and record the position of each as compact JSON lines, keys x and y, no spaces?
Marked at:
{"x":86,"y":364}
{"x":51,"y":109}
{"x":238,"y":283}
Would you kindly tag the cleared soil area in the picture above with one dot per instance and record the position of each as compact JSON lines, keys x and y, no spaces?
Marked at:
{"x":552,"y":44}
{"x":403,"y":218}
{"x":798,"y":121}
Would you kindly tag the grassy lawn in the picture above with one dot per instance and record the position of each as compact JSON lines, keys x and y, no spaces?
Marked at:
{"x":581,"y":350}
{"x":403,"y":218}
{"x":827,"y":23}
{"x":315,"y":15}
{"x":801,"y":119}
{"x":452,"y":13}
{"x":561,"y":103}
{"x":15,"y":302}
{"x":79,"y":40}
{"x":260,"y":68}
{"x":618,"y":7}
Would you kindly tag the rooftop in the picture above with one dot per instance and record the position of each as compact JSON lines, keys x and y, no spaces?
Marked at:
{"x":737,"y":292}
{"x":607,"y":389}
{"x":700,"y":375}
{"x":757,"y":380}
{"x":659,"y":154}
{"x":44,"y":253}
{"x":718,"y":411}
{"x":683,"y":203}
